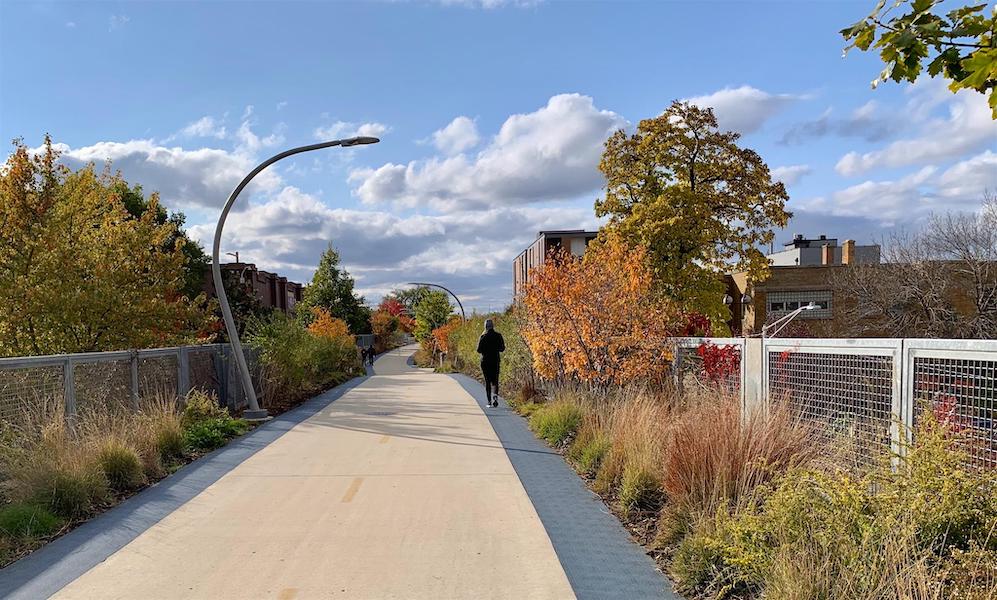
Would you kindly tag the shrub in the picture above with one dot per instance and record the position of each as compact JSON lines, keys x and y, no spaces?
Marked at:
{"x":589,"y":448}
{"x":27,"y":521}
{"x":209,"y":434}
{"x":200,"y":406}
{"x":121,"y":465}
{"x":556,"y":422}
{"x":640,"y":488}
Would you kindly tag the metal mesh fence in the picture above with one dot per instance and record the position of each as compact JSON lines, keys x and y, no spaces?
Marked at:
{"x":203,"y":375}
{"x":103,"y":386}
{"x":157,"y":376}
{"x":847,"y":398}
{"x":961,"y":393}
{"x":708,"y":365}
{"x":24,"y":388}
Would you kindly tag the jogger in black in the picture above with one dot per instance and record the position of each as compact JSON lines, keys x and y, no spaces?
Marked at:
{"x":491,"y":345}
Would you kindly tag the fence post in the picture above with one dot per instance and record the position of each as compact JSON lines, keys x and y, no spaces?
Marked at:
{"x":183,"y":371}
{"x":69,"y":391}
{"x":134,"y":374}
{"x":901,"y":427}
{"x":753,"y":386}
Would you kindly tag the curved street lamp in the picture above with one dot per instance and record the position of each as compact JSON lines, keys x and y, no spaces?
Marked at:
{"x":254,"y":412}
{"x":462,"y":315}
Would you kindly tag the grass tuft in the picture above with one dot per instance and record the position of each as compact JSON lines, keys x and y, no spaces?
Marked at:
{"x":556,"y":422}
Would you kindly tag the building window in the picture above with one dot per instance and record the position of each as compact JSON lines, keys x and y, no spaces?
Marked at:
{"x":786,"y":302}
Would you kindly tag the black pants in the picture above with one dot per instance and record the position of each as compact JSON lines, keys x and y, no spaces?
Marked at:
{"x":491,"y":374}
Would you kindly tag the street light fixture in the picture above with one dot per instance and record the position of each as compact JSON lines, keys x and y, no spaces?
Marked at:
{"x":254,"y":412}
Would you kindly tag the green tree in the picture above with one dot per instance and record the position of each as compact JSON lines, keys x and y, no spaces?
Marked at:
{"x":78,"y":273}
{"x":197,"y":263}
{"x":433,"y":310}
{"x":332,"y":289}
{"x":700,"y":203}
{"x":961,"y":45}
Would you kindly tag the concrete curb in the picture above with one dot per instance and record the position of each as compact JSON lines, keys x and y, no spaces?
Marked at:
{"x":599,"y":558}
{"x":55,"y":565}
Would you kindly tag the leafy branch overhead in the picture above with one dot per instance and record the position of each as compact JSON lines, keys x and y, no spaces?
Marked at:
{"x":961,"y":45}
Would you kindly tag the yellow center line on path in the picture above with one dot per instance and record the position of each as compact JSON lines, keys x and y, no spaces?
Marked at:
{"x":352,"y":490}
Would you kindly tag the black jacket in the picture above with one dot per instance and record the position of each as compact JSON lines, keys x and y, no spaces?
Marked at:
{"x":490,"y":344}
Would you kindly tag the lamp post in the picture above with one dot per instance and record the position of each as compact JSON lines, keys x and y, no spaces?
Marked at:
{"x":743,"y":305}
{"x":462,"y":315}
{"x":254,"y":412}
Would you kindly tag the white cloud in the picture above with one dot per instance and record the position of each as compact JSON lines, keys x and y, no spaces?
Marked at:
{"x":867,"y":122}
{"x":743,"y":109}
{"x":969,"y":179}
{"x":344,"y":129}
{"x":791,"y":174}
{"x":885,"y":200}
{"x":184,"y":178}
{"x":249,"y":142}
{"x":549,"y":154}
{"x":70,"y":24}
{"x":460,"y":135}
{"x":470,"y":252}
{"x":968,"y":127}
{"x":116,"y":22}
{"x":281,"y":104}
{"x":204,"y":127}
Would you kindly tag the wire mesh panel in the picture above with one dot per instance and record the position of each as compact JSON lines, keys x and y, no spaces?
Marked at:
{"x":848,"y":396}
{"x":959,"y":388}
{"x":25,"y":388}
{"x":102,"y":386}
{"x":157,"y":376}
{"x":202,"y":371}
{"x":709,"y":363}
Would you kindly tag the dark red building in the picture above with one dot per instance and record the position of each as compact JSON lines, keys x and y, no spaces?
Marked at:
{"x":272,"y":290}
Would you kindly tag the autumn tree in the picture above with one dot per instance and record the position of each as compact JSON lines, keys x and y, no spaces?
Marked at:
{"x":961,"y":43}
{"x":78,"y":272}
{"x":697,"y":201}
{"x":332,"y":289}
{"x":383,"y":325}
{"x":325,"y":325}
{"x":434,"y":309}
{"x":600,"y":319}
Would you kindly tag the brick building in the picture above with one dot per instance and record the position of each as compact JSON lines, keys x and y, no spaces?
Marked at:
{"x":271,"y":289}
{"x":574,"y":240}
{"x":801,"y":273}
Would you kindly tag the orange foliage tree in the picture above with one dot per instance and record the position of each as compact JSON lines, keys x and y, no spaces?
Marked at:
{"x":383,"y":324}
{"x":441,"y":335}
{"x":327,"y":326}
{"x":598,"y":319}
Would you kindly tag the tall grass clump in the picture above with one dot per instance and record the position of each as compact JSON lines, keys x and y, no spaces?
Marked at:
{"x":927,"y":529}
{"x":557,"y":422}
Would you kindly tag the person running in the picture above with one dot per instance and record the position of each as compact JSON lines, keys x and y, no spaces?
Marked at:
{"x":490,"y":347}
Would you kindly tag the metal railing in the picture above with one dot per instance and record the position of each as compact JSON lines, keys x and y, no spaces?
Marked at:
{"x":866,"y":395}
{"x":95,"y":380}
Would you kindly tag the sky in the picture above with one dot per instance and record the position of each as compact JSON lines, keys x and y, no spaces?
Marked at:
{"x":492,"y":115}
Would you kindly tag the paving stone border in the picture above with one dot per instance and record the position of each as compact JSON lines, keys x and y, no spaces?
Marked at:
{"x":599,"y":557}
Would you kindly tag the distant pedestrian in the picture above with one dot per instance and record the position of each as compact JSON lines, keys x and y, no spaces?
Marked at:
{"x":370,"y":355}
{"x":490,"y":347}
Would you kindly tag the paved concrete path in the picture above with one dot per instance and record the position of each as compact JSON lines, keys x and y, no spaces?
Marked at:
{"x":401,"y":488}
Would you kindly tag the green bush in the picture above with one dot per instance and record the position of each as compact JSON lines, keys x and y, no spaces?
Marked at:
{"x":200,"y":406}
{"x":209,"y":434}
{"x":556,"y":422}
{"x":640,"y":488}
{"x":122,"y":466}
{"x":27,"y":521}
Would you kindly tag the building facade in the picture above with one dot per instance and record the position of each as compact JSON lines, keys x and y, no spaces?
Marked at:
{"x":574,"y":241}
{"x":803,"y":272}
{"x":272,"y":290}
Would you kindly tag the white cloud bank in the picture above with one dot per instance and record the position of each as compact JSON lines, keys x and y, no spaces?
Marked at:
{"x":743,"y":109}
{"x":549,"y":154}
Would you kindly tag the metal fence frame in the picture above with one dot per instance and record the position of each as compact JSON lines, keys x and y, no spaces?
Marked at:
{"x":755,"y":373}
{"x":69,"y":363}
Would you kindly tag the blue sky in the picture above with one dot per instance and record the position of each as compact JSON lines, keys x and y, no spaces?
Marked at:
{"x":492,"y":114}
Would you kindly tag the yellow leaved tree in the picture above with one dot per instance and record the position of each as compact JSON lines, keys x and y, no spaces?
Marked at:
{"x":78,"y":272}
